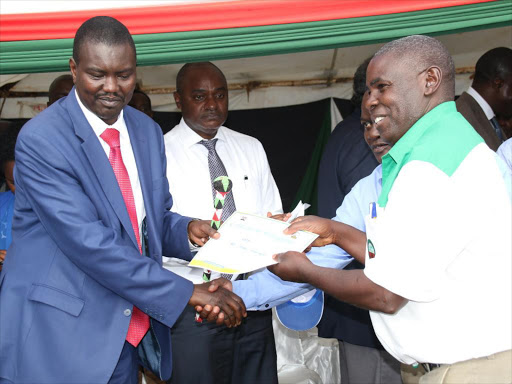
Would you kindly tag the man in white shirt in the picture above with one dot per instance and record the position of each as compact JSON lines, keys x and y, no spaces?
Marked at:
{"x":437,"y":276}
{"x":505,"y":152}
{"x":203,"y":353}
{"x":489,"y":95}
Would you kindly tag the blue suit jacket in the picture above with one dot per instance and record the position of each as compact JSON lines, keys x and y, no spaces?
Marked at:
{"x":74,"y":271}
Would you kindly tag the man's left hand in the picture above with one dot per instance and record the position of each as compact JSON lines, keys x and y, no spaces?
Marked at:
{"x":221,"y":282}
{"x":279,"y":216}
{"x":199,"y":231}
{"x":292,"y":266}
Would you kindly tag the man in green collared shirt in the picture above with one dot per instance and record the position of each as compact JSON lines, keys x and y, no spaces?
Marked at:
{"x":437,"y":277}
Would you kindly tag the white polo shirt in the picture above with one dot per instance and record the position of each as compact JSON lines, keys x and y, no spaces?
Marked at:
{"x":441,"y":239}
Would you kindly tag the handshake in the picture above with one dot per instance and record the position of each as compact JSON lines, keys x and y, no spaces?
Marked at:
{"x":215,"y":302}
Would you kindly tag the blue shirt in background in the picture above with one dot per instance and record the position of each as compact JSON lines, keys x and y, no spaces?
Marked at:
{"x":6,"y":212}
{"x":264,"y":290}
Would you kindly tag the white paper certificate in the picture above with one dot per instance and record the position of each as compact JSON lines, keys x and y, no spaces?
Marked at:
{"x":247,"y":242}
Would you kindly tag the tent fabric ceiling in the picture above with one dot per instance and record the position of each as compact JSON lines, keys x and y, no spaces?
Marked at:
{"x":229,"y":43}
{"x":271,"y":81}
{"x":143,"y":19}
{"x":260,"y":72}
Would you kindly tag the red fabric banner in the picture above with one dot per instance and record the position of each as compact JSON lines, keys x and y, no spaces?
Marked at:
{"x":208,"y":16}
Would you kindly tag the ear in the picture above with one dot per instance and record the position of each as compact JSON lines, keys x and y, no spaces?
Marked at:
{"x":497,"y":83}
{"x":433,"y":77}
{"x":177,"y":99}
{"x":72,"y":67}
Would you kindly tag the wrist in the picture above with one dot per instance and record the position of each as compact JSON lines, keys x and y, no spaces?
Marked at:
{"x":334,"y":232}
{"x":191,"y":242}
{"x":306,"y":274}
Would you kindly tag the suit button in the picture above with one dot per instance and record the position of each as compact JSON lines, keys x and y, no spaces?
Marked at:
{"x":127,"y":312}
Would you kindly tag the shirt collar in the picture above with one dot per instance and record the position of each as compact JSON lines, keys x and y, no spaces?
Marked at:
{"x":379,"y":173}
{"x":98,"y":125}
{"x":403,"y":146}
{"x":190,"y":137}
{"x":489,"y":113}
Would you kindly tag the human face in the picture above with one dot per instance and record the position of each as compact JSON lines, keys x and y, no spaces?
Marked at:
{"x":105,"y":78}
{"x":203,"y":100}
{"x":372,"y":136}
{"x":140,"y":102}
{"x":503,"y":100}
{"x":61,"y":89}
{"x":395,"y":97}
{"x":506,"y":124}
{"x":9,"y":175}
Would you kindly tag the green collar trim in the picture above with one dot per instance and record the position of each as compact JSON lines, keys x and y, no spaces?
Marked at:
{"x":441,"y":137}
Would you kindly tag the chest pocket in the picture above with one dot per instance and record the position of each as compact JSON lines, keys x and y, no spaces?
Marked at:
{"x":248,"y":194}
{"x":56,"y":298}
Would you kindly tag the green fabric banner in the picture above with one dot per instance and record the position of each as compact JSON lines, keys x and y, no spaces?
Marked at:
{"x":308,"y":190}
{"x":180,"y":47}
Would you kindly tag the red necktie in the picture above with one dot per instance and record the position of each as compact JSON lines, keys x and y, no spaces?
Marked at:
{"x":139,"y":323}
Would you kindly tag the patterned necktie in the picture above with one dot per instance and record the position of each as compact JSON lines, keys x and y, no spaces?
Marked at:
{"x":139,"y":323}
{"x":217,"y":169}
{"x":497,"y":128}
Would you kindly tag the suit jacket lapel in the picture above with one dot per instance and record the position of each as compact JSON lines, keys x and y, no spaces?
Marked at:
{"x":142,"y":159}
{"x":482,"y":125}
{"x":99,"y":163}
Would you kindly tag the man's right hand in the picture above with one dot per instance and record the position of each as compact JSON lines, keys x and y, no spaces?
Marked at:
{"x":322,"y":227}
{"x":220,"y":306}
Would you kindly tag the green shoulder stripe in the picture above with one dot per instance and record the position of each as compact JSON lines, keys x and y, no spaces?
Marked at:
{"x":442,"y":137}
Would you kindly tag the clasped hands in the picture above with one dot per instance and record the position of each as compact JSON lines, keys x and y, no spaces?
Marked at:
{"x":215,"y":301}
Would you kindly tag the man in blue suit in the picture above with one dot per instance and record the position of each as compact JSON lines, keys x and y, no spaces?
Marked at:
{"x":75,"y":285}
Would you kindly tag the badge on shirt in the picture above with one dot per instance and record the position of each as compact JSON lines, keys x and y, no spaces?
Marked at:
{"x":371,"y":249}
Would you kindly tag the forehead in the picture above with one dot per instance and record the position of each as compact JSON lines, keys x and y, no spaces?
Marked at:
{"x":204,"y":76}
{"x":365,"y":112}
{"x":388,"y":66}
{"x":102,"y":54}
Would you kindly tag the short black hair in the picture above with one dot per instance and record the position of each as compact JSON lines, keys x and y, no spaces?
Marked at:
{"x":57,"y":80}
{"x":420,"y":52}
{"x":359,"y":85}
{"x":140,"y":92}
{"x":496,"y":63}
{"x":101,"y":29}
{"x":183,"y":71}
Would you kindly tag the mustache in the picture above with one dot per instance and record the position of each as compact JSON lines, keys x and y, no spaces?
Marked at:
{"x":110,"y":96}
{"x":210,"y":115}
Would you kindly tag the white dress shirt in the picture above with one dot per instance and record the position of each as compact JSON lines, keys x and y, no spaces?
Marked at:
{"x":244,"y":158}
{"x":489,"y":113}
{"x":254,"y":191}
{"x":99,"y":126}
{"x":505,"y":152}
